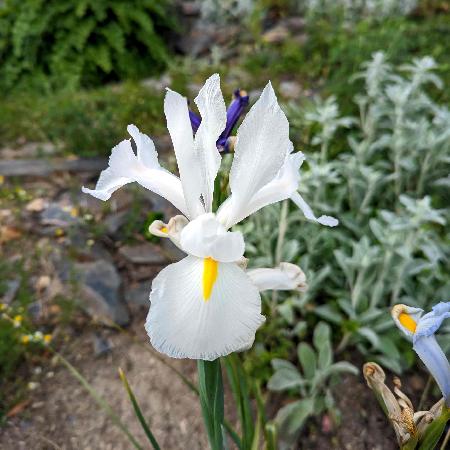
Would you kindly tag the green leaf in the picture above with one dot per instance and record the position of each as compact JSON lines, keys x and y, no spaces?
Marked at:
{"x":342,"y":367}
{"x":308,"y":359}
{"x":138,"y":411}
{"x":284,"y":379}
{"x":322,"y":343}
{"x":211,"y":400}
{"x":434,"y":431}
{"x":292,"y":416}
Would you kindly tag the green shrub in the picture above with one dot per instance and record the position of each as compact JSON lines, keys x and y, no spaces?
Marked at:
{"x":65,"y":43}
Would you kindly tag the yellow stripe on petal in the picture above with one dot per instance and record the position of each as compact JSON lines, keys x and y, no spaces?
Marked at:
{"x":210,"y":270}
{"x":408,"y":322}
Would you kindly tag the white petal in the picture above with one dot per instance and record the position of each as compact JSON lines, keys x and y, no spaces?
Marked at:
{"x":146,"y":152}
{"x":179,"y":126}
{"x":307,"y":211}
{"x":182,"y":324}
{"x":107,"y":184}
{"x":280,"y":188}
{"x":261,"y":146}
{"x":125,"y":167}
{"x":284,"y":278}
{"x":212,"y":108}
{"x":205,"y":237}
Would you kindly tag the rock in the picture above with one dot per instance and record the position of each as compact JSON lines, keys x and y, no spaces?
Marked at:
{"x":55,"y":215}
{"x":37,"y":205}
{"x":144,"y":253}
{"x":138,"y":296}
{"x":290,"y":89}
{"x":12,"y":286}
{"x":190,"y":8}
{"x":113,"y":222}
{"x":99,"y":283}
{"x":276,"y":35}
{"x":295,"y":23}
{"x":102,"y":346}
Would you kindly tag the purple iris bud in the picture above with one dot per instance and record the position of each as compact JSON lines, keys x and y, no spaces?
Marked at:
{"x":195,"y":121}
{"x":237,"y":107}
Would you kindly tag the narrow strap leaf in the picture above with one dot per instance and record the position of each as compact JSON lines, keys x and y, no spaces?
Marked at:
{"x":138,"y":411}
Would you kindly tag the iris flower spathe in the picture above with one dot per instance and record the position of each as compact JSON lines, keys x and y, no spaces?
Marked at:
{"x":420,"y":329}
{"x":207,"y":305}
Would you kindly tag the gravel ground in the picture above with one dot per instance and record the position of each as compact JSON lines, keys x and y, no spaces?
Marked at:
{"x":62,"y":415}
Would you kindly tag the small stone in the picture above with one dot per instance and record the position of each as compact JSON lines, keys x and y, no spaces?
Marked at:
{"x":37,"y":205}
{"x":290,"y":89}
{"x":12,"y":286}
{"x":113,"y":222}
{"x":145,"y":253}
{"x":276,"y":35}
{"x":189,"y":8}
{"x":100,"y":284}
{"x":55,"y":215}
{"x":101,"y":345}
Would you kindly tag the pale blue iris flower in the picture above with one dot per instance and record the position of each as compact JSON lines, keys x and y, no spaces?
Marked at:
{"x":421,"y":330}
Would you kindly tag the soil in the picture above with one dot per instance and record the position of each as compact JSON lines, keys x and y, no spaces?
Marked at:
{"x":62,"y":415}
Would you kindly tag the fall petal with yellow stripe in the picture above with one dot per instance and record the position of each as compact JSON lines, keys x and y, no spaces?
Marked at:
{"x":190,"y":320}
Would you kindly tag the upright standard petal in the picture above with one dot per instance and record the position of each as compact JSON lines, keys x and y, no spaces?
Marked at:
{"x":262,"y":143}
{"x":205,"y":237}
{"x":307,"y":211}
{"x":125,"y":167}
{"x":286,"y":277}
{"x":212,"y":108}
{"x":280,"y":188}
{"x":180,"y":130}
{"x":183,"y":324}
{"x":431,"y":322}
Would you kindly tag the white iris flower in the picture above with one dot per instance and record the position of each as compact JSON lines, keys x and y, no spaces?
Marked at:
{"x":206,"y":305}
{"x":420,"y":329}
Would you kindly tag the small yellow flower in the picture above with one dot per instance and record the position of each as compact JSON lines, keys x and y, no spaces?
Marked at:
{"x":47,"y":338}
{"x":25,"y":339}
{"x":90,"y":242}
{"x":74,"y":212}
{"x":17,"y":321}
{"x":59,"y":232}
{"x":2,"y":179}
{"x":3,"y":306}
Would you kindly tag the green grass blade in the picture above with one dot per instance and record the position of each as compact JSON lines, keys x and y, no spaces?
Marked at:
{"x":237,"y":378}
{"x":435,"y":430}
{"x":138,"y":411}
{"x":100,"y":401}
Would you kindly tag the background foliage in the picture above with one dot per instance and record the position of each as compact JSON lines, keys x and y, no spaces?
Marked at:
{"x":83,"y":42}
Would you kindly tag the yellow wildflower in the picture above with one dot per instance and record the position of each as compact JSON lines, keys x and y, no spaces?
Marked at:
{"x":47,"y":338}
{"x":17,"y":321}
{"x":25,"y":339}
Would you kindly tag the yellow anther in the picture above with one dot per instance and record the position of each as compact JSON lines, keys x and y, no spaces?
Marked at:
{"x":164,"y":230}
{"x":210,"y":271}
{"x":408,"y":322}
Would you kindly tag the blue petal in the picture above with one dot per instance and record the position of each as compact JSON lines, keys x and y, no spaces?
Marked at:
{"x":430,"y":322}
{"x":436,"y":362}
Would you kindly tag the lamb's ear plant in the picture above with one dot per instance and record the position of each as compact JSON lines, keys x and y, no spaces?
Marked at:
{"x":386,"y":171}
{"x":310,"y":379}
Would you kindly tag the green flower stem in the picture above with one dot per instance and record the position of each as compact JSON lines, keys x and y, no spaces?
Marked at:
{"x":212,"y":401}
